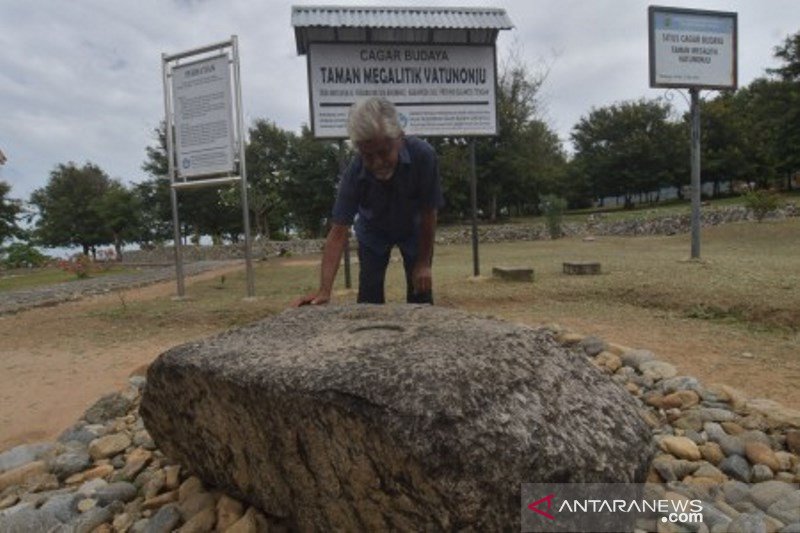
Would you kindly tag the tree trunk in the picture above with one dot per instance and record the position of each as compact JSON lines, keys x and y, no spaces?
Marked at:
{"x":118,"y":247}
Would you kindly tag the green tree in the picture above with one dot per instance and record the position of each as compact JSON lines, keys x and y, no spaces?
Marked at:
{"x":267,"y":154}
{"x":10,"y":210}
{"x":789,"y":52}
{"x":68,"y":207}
{"x":202,"y":211}
{"x":629,"y":148}
{"x":312,"y":168}
{"x":120,"y":210}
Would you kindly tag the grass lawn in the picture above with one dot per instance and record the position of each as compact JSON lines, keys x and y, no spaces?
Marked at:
{"x":18,"y":279}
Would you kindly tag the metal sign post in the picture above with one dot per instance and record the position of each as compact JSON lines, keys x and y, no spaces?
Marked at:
{"x":693,"y":49}
{"x":696,"y":186}
{"x":473,"y":193}
{"x":201,"y":139}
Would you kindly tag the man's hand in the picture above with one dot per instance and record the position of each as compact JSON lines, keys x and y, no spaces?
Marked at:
{"x":422,"y":278}
{"x":317,"y":298}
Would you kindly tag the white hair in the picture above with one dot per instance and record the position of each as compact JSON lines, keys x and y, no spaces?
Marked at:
{"x":373,"y":118}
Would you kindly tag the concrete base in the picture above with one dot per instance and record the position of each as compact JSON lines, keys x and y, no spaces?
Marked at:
{"x":513,"y":273}
{"x":581,"y":268}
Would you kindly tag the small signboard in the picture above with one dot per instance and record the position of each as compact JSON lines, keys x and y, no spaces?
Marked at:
{"x":692,"y":48}
{"x":201,"y":95}
{"x":439,"y":90}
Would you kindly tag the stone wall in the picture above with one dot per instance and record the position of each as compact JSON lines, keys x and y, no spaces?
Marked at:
{"x":649,"y":223}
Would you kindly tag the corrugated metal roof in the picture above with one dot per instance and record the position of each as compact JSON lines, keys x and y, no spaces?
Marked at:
{"x":439,"y":25}
{"x":401,"y":17}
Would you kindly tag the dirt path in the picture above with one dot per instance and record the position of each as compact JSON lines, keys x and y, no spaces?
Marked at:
{"x":49,"y":374}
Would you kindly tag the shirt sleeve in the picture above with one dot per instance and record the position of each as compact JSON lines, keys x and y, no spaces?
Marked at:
{"x":346,"y":205}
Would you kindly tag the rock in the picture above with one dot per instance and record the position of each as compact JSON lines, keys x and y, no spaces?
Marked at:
{"x":679,"y":383}
{"x":91,"y":486}
{"x":748,"y":523}
{"x":172,"y":479}
{"x":109,"y":445}
{"x":108,"y":407}
{"x":23,"y":454}
{"x":754,"y":435}
{"x":27,"y":520}
{"x":196,"y":503}
{"x":12,"y":499}
{"x":766,"y":493}
{"x":762,"y":473}
{"x":165,"y":520}
{"x":98,"y":472}
{"x":682,"y":399}
{"x":784,"y":460}
{"x":135,"y":462}
{"x":690,"y":421}
{"x":793,"y":441}
{"x":78,"y":433}
{"x":760,"y":453}
{"x":70,"y":462}
{"x":671,"y":469}
{"x":91,"y":519}
{"x":251,"y":522}
{"x":160,"y":500}
{"x":592,"y":345}
{"x":228,"y":512}
{"x":122,"y":522}
{"x":787,"y":508}
{"x":681,"y":447}
{"x":86,"y":504}
{"x":143,"y":439}
{"x":658,"y":370}
{"x":140,"y":526}
{"x":120,"y":491}
{"x":712,"y":472}
{"x":384,"y":391}
{"x":154,"y":484}
{"x":712,"y":453}
{"x":568,"y":338}
{"x":61,"y":506}
{"x":21,"y":475}
{"x":732,"y":428}
{"x":137,"y":382}
{"x":608,"y":360}
{"x":200,"y":522}
{"x":193,"y":485}
{"x":736,"y":467}
{"x":634,"y":358}
{"x":697,"y":438}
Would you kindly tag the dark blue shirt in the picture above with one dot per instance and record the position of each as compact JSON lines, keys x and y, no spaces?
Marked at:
{"x":390,"y":208}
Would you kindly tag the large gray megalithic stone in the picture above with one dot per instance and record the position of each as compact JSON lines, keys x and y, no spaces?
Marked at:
{"x":390,"y":417}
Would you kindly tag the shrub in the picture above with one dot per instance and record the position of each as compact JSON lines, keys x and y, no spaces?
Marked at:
{"x":761,"y":202}
{"x":78,"y":264}
{"x":22,"y":255}
{"x":553,"y":207}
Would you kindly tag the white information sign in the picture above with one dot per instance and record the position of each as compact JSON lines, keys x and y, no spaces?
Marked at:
{"x":692,"y":48}
{"x":201,"y":93}
{"x":438,"y":89}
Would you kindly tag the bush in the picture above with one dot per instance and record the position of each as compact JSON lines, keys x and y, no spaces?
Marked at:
{"x":22,"y":255}
{"x":761,"y":202}
{"x":553,"y":207}
{"x":82,"y":265}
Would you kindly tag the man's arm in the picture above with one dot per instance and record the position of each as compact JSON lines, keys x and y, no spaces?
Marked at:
{"x":422,"y":269}
{"x":331,"y":256}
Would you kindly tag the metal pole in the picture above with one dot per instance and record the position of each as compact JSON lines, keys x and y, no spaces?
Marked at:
{"x":696,"y":183}
{"x":173,"y":194}
{"x":473,"y":189}
{"x":348,"y":282}
{"x":248,"y":259}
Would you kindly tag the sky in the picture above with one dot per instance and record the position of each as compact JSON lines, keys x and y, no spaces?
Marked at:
{"x":81,"y":80}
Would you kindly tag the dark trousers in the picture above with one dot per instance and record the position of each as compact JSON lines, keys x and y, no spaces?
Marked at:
{"x":373,"y":261}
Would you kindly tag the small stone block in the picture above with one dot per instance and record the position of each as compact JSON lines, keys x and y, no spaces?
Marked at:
{"x":513,"y":273}
{"x":581,"y":268}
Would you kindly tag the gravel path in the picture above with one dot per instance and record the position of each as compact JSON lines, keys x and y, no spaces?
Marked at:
{"x":15,"y":301}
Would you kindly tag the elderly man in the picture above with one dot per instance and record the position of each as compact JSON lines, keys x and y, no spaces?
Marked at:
{"x":393,"y":187}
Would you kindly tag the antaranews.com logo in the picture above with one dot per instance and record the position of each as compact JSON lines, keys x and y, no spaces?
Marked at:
{"x":604,"y":507}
